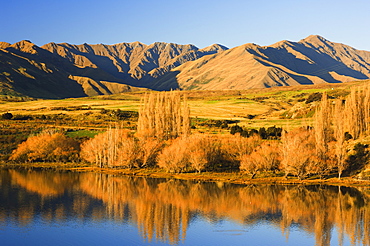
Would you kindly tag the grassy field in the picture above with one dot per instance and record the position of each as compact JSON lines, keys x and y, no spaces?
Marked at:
{"x":284,"y":107}
{"x":266,"y":107}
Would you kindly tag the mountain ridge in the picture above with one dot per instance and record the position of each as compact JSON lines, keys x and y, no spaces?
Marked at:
{"x":68,"y":70}
{"x":312,"y":60}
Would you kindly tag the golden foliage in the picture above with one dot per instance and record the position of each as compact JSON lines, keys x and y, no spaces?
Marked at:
{"x":164,"y":116}
{"x":235,"y":147}
{"x":194,"y":152}
{"x":298,"y":152}
{"x":46,"y":147}
{"x":265,"y":157}
{"x":113,"y":148}
{"x":119,"y":148}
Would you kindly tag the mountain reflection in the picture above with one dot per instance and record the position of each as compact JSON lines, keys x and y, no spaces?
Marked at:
{"x":163,"y":209}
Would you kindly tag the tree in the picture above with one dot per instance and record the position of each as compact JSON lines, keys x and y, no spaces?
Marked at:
{"x":7,"y":116}
{"x":174,"y":157}
{"x":196,"y":152}
{"x":114,"y":148}
{"x":298,"y":152}
{"x":265,"y":157}
{"x":235,"y":147}
{"x":340,"y":137}
{"x":164,"y":115}
{"x":323,"y":136}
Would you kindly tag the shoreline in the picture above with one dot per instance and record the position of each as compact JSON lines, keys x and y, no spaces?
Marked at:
{"x":225,"y":177}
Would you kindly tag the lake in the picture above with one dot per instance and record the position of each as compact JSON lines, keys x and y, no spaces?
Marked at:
{"x":43,"y":207}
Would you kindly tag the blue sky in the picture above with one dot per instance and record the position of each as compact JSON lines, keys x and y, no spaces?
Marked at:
{"x":199,"y":22}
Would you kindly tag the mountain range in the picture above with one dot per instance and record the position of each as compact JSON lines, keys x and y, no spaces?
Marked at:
{"x":66,"y":70}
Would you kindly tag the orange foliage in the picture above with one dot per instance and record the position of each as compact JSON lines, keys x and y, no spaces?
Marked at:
{"x":195,"y":152}
{"x":119,"y":148}
{"x":298,"y":152}
{"x":115,"y":147}
{"x":46,"y":147}
{"x":235,"y":147}
{"x":265,"y":157}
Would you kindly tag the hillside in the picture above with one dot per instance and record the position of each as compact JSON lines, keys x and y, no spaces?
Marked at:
{"x":313,"y":60}
{"x":67,"y":70}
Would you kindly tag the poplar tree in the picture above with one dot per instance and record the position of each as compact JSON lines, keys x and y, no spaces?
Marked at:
{"x":164,"y":115}
{"x":323,"y":135}
{"x":339,"y":134}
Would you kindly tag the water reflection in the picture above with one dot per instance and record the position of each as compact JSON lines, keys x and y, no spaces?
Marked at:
{"x":164,"y":209}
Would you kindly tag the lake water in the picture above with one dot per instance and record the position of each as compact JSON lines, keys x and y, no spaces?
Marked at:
{"x":66,"y":208}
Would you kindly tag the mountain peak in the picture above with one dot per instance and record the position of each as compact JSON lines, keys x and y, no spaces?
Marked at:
{"x":4,"y":45}
{"x":215,"y":47}
{"x":25,"y":46}
{"x":315,"y":39}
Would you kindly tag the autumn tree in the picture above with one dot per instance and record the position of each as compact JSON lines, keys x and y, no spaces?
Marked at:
{"x":174,"y":157}
{"x":164,"y":115}
{"x":299,"y":152}
{"x":118,"y":147}
{"x":323,"y":132}
{"x":357,"y":111}
{"x":265,"y":157}
{"x":340,"y":139}
{"x":236,"y":146}
{"x":114,"y":148}
{"x":196,"y":152}
{"x":47,"y":146}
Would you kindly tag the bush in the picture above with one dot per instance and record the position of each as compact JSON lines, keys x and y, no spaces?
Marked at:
{"x":314,"y":97}
{"x":47,"y":147}
{"x":119,"y":148}
{"x":193,"y":153}
{"x":113,"y":148}
{"x":265,"y":157}
{"x":7,"y":116}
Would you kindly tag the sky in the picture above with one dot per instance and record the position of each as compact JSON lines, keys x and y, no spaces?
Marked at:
{"x":199,"y":22}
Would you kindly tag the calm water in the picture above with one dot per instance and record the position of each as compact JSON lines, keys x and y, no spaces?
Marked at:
{"x":51,"y":208}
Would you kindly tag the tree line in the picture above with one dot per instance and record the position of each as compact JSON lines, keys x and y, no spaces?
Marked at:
{"x":331,"y":146}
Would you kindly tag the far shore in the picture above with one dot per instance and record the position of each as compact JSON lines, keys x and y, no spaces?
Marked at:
{"x":234,"y":177}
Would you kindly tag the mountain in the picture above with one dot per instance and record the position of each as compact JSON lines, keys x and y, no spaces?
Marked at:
{"x":312,"y":60}
{"x":67,"y":70}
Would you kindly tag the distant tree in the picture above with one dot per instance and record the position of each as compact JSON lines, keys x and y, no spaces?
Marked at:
{"x":7,"y":116}
{"x":262,"y":132}
{"x":236,"y":129}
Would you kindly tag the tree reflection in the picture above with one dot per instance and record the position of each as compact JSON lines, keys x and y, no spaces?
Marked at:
{"x":163,"y":209}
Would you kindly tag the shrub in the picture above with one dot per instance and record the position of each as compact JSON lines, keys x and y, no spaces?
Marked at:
{"x":265,"y":157}
{"x":7,"y":116}
{"x":299,"y":152}
{"x":47,"y":147}
{"x":174,"y":158}
{"x":193,"y":153}
{"x":113,"y":148}
{"x":234,"y":147}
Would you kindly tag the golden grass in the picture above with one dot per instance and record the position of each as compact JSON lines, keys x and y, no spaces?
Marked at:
{"x":267,"y":105}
